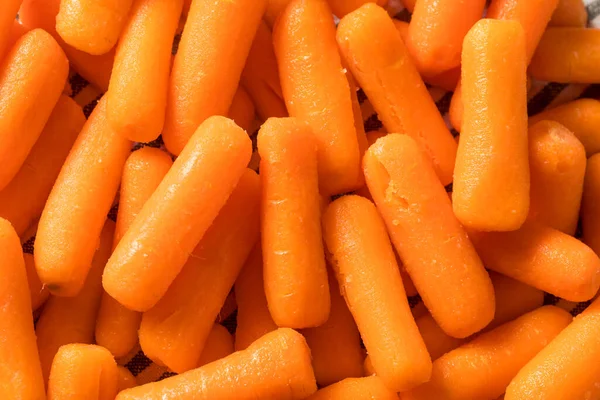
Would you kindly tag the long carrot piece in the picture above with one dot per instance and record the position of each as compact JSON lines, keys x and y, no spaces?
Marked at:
{"x":368,"y":275}
{"x":342,"y":7}
{"x":8,"y":13}
{"x":20,"y":372}
{"x":242,"y":109}
{"x":276,"y":366}
{"x":371,"y":387}
{"x":590,"y":213}
{"x":38,"y":293}
{"x":380,"y":62}
{"x":569,"y":13}
{"x":219,"y":344}
{"x":144,"y":262}
{"x":428,"y":237}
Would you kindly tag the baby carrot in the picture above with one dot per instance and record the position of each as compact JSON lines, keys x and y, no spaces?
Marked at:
{"x":342,"y":7}
{"x":590,"y":213}
{"x":428,"y":237}
{"x":483,"y":368}
{"x":125,"y":379}
{"x":83,"y":371}
{"x":17,"y":31}
{"x":137,"y":94}
{"x":20,"y":372}
{"x":381,"y":64}
{"x":276,"y":366}
{"x":455,"y":113}
{"x":76,"y":209}
{"x":436,"y":340}
{"x":274,"y":8}
{"x":141,"y":269}
{"x":38,"y":293}
{"x":8,"y":13}
{"x":569,"y":13}
{"x":23,"y":199}
{"x":557,"y":167}
{"x":542,"y":257}
{"x":357,"y":389}
{"x":242,"y":110}
{"x":35,"y":64}
{"x":409,"y":4}
{"x":369,"y":279}
{"x":219,"y":344}
{"x":207,"y":68}
{"x":491,"y":177}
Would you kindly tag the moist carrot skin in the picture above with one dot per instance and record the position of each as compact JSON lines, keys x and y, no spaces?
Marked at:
{"x":356,"y":388}
{"x":242,"y":109}
{"x":420,"y":221}
{"x":342,"y":7}
{"x":219,"y":344}
{"x":590,"y":215}
{"x":8,"y":13}
{"x":569,"y":13}
{"x":38,"y":293}
{"x":374,"y":52}
{"x":140,"y":270}
{"x":276,"y":366}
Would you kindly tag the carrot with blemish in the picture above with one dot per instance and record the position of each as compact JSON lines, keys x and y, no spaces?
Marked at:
{"x":242,"y":110}
{"x":356,"y":389}
{"x":590,"y":213}
{"x":125,"y":379}
{"x":569,"y":13}
{"x":219,"y":344}
{"x":342,"y":7}
{"x":38,"y":293}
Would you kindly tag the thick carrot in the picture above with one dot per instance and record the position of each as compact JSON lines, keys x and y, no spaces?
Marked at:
{"x":381,"y":64}
{"x":23,"y":199}
{"x":137,"y":94}
{"x":207,"y":67}
{"x":242,"y":109}
{"x":219,"y":344}
{"x":125,"y":379}
{"x":145,"y":262}
{"x":371,"y":387}
{"x":294,"y":263}
{"x":20,"y":372}
{"x":428,"y":237}
{"x":369,"y":279}
{"x":274,"y":8}
{"x":491,"y":177}
{"x":38,"y":293}
{"x":76,"y":209}
{"x":590,"y":213}
{"x":276,"y":366}
{"x":342,"y":7}
{"x":83,"y":371}
{"x":557,"y":167}
{"x":174,"y":332}
{"x":8,"y":13}
{"x":483,"y":368}
{"x":569,"y":13}
{"x":542,"y":257}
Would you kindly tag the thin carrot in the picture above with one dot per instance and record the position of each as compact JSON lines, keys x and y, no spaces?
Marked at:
{"x":380,"y":62}
{"x":38,"y":293}
{"x":144,"y":262}
{"x":125,"y":379}
{"x":276,"y":366}
{"x":219,"y":344}
{"x":569,"y":13}
{"x":428,"y":237}
{"x":369,"y":279}
{"x":342,"y":7}
{"x":590,"y":215}
{"x":242,"y":109}
{"x":357,"y":389}
{"x":274,"y":8}
{"x":8,"y":13}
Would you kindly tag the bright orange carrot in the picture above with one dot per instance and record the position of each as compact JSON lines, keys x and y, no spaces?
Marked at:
{"x":23,"y":199}
{"x":483,"y":368}
{"x":359,"y":125}
{"x":402,"y":28}
{"x":8,"y":13}
{"x":437,"y":341}
{"x":274,"y":8}
{"x":207,"y":67}
{"x":219,"y":344}
{"x":590,"y":213}
{"x":83,"y":371}
{"x":569,"y":13}
{"x":17,"y":31}
{"x":428,"y":237}
{"x":380,"y":62}
{"x":369,"y":279}
{"x":357,"y":389}
{"x":491,"y":177}
{"x":242,"y":110}
{"x":557,"y":166}
{"x":145,"y":262}
{"x":174,"y":332}
{"x":125,"y":379}
{"x":38,"y":293}
{"x":76,"y":209}
{"x":456,"y":108}
{"x":137,"y":94}
{"x":342,"y":7}
{"x":368,"y":369}
{"x":228,"y":308}
{"x":277,"y":366}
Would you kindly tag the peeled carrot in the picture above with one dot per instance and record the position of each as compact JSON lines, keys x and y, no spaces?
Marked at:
{"x":137,"y":94}
{"x":483,"y":368}
{"x":491,"y":177}
{"x":23,"y":199}
{"x":125,"y":379}
{"x":368,"y":275}
{"x":409,"y":4}
{"x":274,"y":8}
{"x":207,"y":68}
{"x":557,"y":166}
{"x":242,"y":109}
{"x":542,"y":257}
{"x":380,"y":62}
{"x":357,"y":389}
{"x":174,"y":332}
{"x":8,"y":13}
{"x":17,"y":31}
{"x":569,"y":13}
{"x":342,"y":7}
{"x":219,"y":344}
{"x":455,"y":113}
{"x":144,"y":262}
{"x":294,"y":263}
{"x":276,"y":366}
{"x":228,"y":308}
{"x":83,"y":371}
{"x":76,"y":209}
{"x":436,"y":340}
{"x":402,"y":27}
{"x":590,"y":214}
{"x":428,"y":237}
{"x":20,"y":372}
{"x":38,"y":293}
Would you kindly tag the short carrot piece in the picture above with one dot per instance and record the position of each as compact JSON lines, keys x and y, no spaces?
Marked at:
{"x":8,"y":13}
{"x":219,"y":344}
{"x":276,"y":366}
{"x":342,"y":7}
{"x":140,"y":270}
{"x":39,"y":293}
{"x":125,"y":379}
{"x":369,"y":279}
{"x":428,"y":237}
{"x":590,"y":214}
{"x":357,"y":389}
{"x":242,"y":109}
{"x":569,"y":13}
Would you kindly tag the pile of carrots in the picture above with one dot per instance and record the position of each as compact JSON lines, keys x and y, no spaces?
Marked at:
{"x":323,"y":242}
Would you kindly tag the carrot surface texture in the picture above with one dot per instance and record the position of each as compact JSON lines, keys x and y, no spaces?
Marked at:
{"x":590,"y":214}
{"x":219,"y":344}
{"x":38,"y":292}
{"x":357,"y":389}
{"x":569,"y":13}
{"x":125,"y":379}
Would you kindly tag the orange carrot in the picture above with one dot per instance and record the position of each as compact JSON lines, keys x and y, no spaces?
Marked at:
{"x":380,"y":62}
{"x":368,"y":369}
{"x":356,"y":389}
{"x":428,"y":237}
{"x":491,"y":177}
{"x":174,"y":332}
{"x":76,"y":209}
{"x":20,"y":372}
{"x":590,"y":214}
{"x":144,"y":262}
{"x":274,"y":8}
{"x":557,"y":166}
{"x":342,"y":7}
{"x":294,"y":263}
{"x":402,"y":27}
{"x":437,"y":341}
{"x":483,"y":368}
{"x":456,"y":110}
{"x":17,"y":31}
{"x":277,"y":366}
{"x":207,"y":68}
{"x":569,"y":13}
{"x":242,"y":110}
{"x":228,"y":308}
{"x":8,"y":13}
{"x":125,"y":379}
{"x":23,"y":199}
{"x":359,"y":125}
{"x":369,"y":279}
{"x":219,"y":344}
{"x":137,"y":94}
{"x":83,"y":371}
{"x":38,"y":293}
{"x":409,"y":4}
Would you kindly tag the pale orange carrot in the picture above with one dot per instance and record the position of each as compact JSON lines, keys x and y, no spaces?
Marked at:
{"x":125,"y":379}
{"x":242,"y":109}
{"x":38,"y":293}
{"x":219,"y":344}
{"x":569,"y":13}
{"x":357,"y":389}
{"x":590,"y":214}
